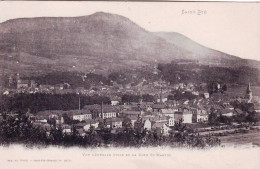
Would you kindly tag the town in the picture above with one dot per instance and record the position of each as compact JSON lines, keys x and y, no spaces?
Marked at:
{"x":154,"y":113}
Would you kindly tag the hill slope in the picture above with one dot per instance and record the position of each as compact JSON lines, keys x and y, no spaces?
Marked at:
{"x":102,"y":42}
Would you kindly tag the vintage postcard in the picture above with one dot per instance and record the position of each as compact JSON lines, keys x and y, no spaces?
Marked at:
{"x":129,"y":85}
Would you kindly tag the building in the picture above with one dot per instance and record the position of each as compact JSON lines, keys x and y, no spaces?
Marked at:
{"x":171,"y":122}
{"x":103,"y":111}
{"x":81,"y":117}
{"x":169,"y":112}
{"x":114,"y":102}
{"x":115,"y":122}
{"x":147,"y":124}
{"x":66,"y":129}
{"x":21,"y":84}
{"x":200,"y":118}
{"x":206,"y":95}
{"x":161,"y":128}
{"x":90,"y":123}
{"x":184,"y":116}
{"x":107,"y":115}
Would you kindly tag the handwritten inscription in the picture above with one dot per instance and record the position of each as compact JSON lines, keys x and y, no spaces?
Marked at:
{"x":193,"y":12}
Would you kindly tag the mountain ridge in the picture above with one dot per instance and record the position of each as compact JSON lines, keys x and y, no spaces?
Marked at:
{"x":101,"y":41}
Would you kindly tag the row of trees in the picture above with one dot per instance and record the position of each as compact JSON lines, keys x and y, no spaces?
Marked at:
{"x":175,"y":73}
{"x":40,"y":102}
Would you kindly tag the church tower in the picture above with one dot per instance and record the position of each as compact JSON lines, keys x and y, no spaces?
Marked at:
{"x":249,"y":94}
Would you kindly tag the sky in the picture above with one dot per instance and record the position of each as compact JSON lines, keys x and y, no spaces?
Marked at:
{"x":233,"y":28}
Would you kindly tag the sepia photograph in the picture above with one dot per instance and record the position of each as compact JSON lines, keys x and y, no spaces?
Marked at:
{"x":146,"y":83}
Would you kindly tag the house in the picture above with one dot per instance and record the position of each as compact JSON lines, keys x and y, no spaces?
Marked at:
{"x":66,"y":128}
{"x":206,"y":95}
{"x":184,"y":116}
{"x":200,"y":117}
{"x":40,"y":119}
{"x":22,"y":84}
{"x":196,"y":93}
{"x":114,"y":102}
{"x":86,"y":125}
{"x":161,"y":128}
{"x":90,"y":123}
{"x":171,"y":122}
{"x":115,"y":122}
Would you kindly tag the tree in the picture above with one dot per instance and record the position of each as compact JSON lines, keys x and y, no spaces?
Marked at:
{"x":147,"y":98}
{"x":224,"y":87}
{"x":127,"y":123}
{"x":252,"y":117}
{"x":51,"y":121}
{"x":240,"y":118}
{"x":224,"y":119}
{"x":19,"y":128}
{"x":213,"y":119}
{"x":67,"y":119}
